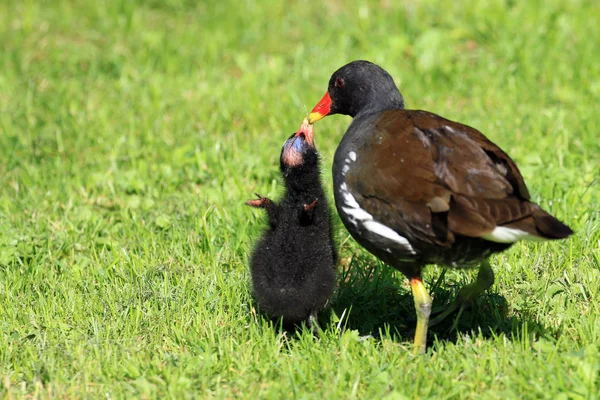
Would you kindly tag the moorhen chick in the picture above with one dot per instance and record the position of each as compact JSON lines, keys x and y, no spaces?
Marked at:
{"x":414,"y":188}
{"x":293,"y":264}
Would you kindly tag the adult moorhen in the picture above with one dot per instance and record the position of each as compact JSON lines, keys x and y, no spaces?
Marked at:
{"x":414,"y":188}
{"x":293,"y":264}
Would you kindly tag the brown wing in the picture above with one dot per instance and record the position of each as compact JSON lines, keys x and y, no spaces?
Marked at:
{"x":436,"y":178}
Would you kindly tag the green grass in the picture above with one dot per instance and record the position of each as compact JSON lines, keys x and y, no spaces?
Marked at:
{"x":131,"y":133}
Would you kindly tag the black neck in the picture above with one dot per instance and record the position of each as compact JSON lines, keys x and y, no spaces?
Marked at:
{"x":390,"y":101}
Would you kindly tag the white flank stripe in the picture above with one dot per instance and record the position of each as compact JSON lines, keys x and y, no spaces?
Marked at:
{"x":357,"y":214}
{"x":384,"y":231}
{"x":348,"y":198}
{"x":347,"y":162}
{"x":502,"y":234}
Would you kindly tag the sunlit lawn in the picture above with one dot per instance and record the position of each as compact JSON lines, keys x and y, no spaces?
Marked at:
{"x":132,"y":132}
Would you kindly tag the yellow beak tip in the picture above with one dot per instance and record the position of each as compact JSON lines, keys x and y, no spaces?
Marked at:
{"x":314,"y":117}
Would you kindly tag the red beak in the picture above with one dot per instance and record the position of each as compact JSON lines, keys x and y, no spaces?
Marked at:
{"x":322,"y":108}
{"x":308,"y":130}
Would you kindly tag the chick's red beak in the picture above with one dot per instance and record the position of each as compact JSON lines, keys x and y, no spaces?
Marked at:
{"x":307,"y":130}
{"x":294,"y":149}
{"x":322,"y":108}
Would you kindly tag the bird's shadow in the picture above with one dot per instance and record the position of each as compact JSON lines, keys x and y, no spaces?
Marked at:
{"x":373,"y":298}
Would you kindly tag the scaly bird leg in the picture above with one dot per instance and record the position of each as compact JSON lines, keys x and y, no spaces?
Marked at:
{"x":485,"y":279}
{"x":439,"y":281}
{"x":423,"y":308}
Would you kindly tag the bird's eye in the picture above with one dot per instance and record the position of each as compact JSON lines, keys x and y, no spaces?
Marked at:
{"x":339,"y":83}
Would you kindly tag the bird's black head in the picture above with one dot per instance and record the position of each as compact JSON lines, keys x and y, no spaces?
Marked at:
{"x":299,"y":162}
{"x":358,"y":87}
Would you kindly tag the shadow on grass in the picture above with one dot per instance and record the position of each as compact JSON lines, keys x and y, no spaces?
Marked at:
{"x":374,"y":298}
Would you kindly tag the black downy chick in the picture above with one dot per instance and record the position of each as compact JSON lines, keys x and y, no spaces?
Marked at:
{"x":293,"y":264}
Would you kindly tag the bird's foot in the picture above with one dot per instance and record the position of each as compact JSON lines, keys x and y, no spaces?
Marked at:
{"x":313,"y":323}
{"x":364,"y":338}
{"x":442,"y":313}
{"x":485,"y":279}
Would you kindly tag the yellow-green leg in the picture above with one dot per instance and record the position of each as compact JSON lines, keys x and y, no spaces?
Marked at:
{"x":423,"y":308}
{"x":439,"y":281}
{"x":485,"y":279}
